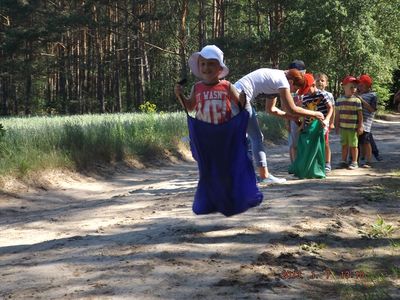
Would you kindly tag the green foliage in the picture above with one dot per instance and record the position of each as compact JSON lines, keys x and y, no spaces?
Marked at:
{"x":273,"y":128}
{"x":148,"y":107}
{"x":2,"y":131}
{"x":42,"y":40}
{"x":378,"y":229}
{"x":82,"y":141}
{"x":383,"y":93}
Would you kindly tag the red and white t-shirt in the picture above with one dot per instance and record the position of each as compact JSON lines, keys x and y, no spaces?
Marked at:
{"x":213,"y":102}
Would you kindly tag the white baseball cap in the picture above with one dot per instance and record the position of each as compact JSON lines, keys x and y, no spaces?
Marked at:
{"x":208,"y":52}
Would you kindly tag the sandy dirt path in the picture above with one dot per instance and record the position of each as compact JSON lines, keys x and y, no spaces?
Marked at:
{"x":134,"y":236}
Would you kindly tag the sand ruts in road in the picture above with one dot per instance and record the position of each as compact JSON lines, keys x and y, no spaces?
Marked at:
{"x":134,"y":236}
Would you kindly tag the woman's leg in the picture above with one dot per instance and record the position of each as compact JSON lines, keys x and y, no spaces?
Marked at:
{"x":256,"y":138}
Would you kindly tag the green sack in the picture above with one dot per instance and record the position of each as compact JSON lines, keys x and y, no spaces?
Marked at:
{"x":310,"y":158}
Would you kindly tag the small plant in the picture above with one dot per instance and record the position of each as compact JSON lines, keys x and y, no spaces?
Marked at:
{"x":379,"y":229}
{"x":148,"y":107}
{"x":395,"y":271}
{"x":313,"y":247}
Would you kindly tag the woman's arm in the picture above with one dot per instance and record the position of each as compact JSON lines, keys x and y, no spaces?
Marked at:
{"x":287,"y":99}
{"x":270,"y":108}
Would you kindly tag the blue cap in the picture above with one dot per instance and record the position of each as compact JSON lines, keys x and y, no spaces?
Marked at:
{"x":297,"y":64}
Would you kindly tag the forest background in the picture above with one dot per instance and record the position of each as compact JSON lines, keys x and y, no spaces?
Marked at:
{"x":85,"y":56}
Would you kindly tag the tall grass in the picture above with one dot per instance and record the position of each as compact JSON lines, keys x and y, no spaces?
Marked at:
{"x":78,"y":142}
{"x":273,"y":128}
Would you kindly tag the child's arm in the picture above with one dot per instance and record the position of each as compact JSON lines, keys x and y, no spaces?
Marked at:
{"x":360,"y":128}
{"x":337,"y":115}
{"x":365,"y":104}
{"x":332,"y":120}
{"x":329,"y":114}
{"x":287,"y":100}
{"x":236,"y":97}
{"x":188,"y":103}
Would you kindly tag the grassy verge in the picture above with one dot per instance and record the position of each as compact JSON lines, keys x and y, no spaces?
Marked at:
{"x":78,"y":142}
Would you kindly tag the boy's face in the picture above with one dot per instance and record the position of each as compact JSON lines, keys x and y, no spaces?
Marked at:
{"x":313,"y":89}
{"x":349,"y":89}
{"x":362,"y":88}
{"x":321,"y":82}
{"x":209,"y":69}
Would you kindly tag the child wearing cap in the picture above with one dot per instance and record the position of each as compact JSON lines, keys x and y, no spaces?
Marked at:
{"x":316,"y":100}
{"x":321,"y":82}
{"x":349,"y":121}
{"x":369,"y":103}
{"x":312,"y":140}
{"x":214,"y":100}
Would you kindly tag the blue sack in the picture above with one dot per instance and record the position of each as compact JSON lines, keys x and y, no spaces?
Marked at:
{"x":227,"y":182}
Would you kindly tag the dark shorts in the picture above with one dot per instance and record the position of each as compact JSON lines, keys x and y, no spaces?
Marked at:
{"x":365,"y":138}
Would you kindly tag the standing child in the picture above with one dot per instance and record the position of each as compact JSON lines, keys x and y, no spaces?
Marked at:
{"x":321,"y":81}
{"x":349,"y":121}
{"x":369,"y":102}
{"x":316,"y":100}
{"x":310,"y":160}
{"x":227,"y":182}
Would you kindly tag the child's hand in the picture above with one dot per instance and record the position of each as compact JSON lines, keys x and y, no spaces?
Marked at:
{"x":332,"y":126}
{"x":360,"y":130}
{"x":242,"y":99}
{"x":319,"y":116}
{"x":178,"y":89}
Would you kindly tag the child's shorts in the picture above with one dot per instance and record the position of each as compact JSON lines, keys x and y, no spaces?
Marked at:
{"x":365,"y":138}
{"x":348,"y":137}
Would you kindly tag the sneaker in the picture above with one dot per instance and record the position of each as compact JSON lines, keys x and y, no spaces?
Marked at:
{"x":328,"y":168}
{"x":271,"y":179}
{"x":343,"y":165}
{"x":379,"y":158}
{"x":366,"y":165}
{"x":353,"y":166}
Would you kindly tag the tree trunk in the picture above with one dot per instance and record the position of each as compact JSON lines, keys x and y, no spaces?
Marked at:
{"x":28,"y":79}
{"x":218,"y":18}
{"x":202,"y":24}
{"x":275,"y":26}
{"x":183,"y":38}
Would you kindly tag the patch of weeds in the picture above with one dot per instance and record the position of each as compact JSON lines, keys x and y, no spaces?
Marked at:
{"x":372,"y":286}
{"x":395,"y":245}
{"x":377,"y":230}
{"x":313,"y":247}
{"x":387,"y":190}
{"x":395,"y":272}
{"x":375,"y":194}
